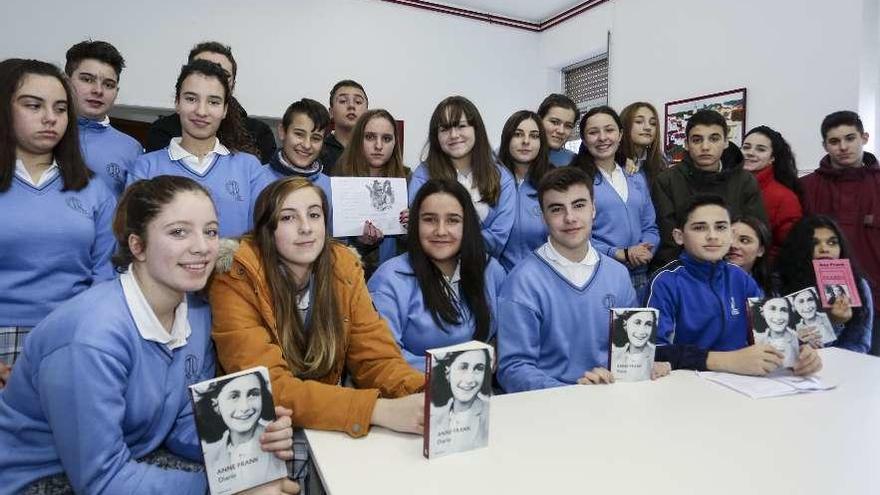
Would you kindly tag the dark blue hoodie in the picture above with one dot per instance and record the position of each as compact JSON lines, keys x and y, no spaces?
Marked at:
{"x":702,"y":308}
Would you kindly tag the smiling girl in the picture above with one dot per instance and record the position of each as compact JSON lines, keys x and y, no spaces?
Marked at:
{"x":641,"y":141}
{"x":458,"y":149}
{"x":56,"y":239}
{"x":214,"y":148}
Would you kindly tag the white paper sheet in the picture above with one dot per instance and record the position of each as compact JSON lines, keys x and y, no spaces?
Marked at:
{"x":761,"y":387}
{"x":358,"y":199}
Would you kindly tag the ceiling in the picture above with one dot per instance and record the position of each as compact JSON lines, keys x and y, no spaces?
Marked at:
{"x":522,"y":10}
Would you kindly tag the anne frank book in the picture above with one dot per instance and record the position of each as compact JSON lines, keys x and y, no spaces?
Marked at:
{"x":834,"y":278}
{"x":231,"y":413}
{"x":633,"y":343}
{"x":808,"y":313}
{"x":772,"y":321}
{"x":459,"y":386}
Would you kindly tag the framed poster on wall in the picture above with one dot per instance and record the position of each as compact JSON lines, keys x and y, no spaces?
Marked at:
{"x":731,"y":104}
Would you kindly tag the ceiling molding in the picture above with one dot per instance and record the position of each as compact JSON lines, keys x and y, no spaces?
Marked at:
{"x":498,"y":19}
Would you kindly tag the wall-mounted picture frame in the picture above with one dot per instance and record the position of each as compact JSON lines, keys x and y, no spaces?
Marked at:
{"x":731,"y":104}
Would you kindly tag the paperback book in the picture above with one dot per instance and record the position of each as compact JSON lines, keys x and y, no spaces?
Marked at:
{"x":808,"y":313}
{"x":633,"y":343}
{"x":231,"y":413}
{"x":834,"y":278}
{"x":772,"y":322}
{"x":459,"y":387}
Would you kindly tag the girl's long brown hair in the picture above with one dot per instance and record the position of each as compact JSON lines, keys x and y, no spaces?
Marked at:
{"x":654,"y":162}
{"x":486,"y":175}
{"x":309,"y":352}
{"x":353,"y":161}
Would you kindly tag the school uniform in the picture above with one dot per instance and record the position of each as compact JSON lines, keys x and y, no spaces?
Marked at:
{"x":562,"y":157}
{"x":100,"y":384}
{"x":496,"y":221}
{"x":108,"y":152}
{"x":233,"y":179}
{"x":54,"y":245}
{"x":399,"y":300}
{"x":555,"y":317}
{"x":624,"y":217}
{"x":702,"y":308}
{"x":280,"y":168}
{"x":529,"y":231}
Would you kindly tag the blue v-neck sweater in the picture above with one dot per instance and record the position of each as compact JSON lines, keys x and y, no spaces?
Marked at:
{"x":551,"y":332}
{"x":108,"y":152}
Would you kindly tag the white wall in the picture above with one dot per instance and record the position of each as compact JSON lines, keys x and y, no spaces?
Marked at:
{"x":800,"y":60}
{"x":408,"y":59}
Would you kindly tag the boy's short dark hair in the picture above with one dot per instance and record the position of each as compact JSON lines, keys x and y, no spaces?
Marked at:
{"x":837,"y":119}
{"x":214,"y":47}
{"x":343,"y":83}
{"x":698,"y":201}
{"x":561,"y":179}
{"x":558,"y":100}
{"x":706,"y":117}
{"x":98,"y":50}
{"x":310,"y":108}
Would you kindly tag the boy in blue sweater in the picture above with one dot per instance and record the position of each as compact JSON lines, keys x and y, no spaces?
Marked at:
{"x":702,"y":301}
{"x":93,"y":69}
{"x":555,"y":303}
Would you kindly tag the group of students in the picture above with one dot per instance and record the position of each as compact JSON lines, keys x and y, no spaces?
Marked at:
{"x":118,"y":293}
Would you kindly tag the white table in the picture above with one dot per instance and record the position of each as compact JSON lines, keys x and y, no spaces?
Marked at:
{"x":678,"y":435}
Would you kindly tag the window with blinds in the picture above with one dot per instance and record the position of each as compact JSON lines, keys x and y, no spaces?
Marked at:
{"x":586,"y":83}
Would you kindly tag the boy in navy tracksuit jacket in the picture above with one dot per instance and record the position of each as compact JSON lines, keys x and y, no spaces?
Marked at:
{"x":702,"y":301}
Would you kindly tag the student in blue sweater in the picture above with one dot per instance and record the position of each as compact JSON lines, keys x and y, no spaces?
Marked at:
{"x":625,"y":227}
{"x":524,"y":152}
{"x":559,"y":114}
{"x":443,"y":291}
{"x":93,"y":69}
{"x":819,"y":237}
{"x":302,"y":131}
{"x":458,"y":149}
{"x":702,"y":301}
{"x":555,"y":304}
{"x":214,"y":149}
{"x":55,"y":239}
{"x":375,"y":151}
{"x":128,"y":348}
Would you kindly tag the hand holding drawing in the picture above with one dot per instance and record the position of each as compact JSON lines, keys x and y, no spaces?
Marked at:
{"x":372,"y":235}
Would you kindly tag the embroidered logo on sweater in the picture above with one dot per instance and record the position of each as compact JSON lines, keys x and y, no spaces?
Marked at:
{"x":233,"y":190}
{"x":191,"y":368}
{"x":76,"y":205}
{"x":609,"y":301}
{"x":734,"y":311}
{"x":115,"y":171}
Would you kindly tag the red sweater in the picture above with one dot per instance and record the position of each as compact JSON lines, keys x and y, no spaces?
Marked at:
{"x":782,"y":205}
{"x":852,"y":197}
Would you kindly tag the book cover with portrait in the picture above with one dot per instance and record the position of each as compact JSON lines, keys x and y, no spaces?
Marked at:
{"x":633,"y":343}
{"x":809,"y":314}
{"x":231,"y":413}
{"x":772,"y":320}
{"x":459,"y":386}
{"x":834,"y":278}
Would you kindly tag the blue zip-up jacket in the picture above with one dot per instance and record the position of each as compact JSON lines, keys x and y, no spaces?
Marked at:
{"x":89,"y":396}
{"x":552,"y":332}
{"x":108,"y":152}
{"x":529,"y":230}
{"x":496,"y":227}
{"x":398,"y":298}
{"x":561,"y":157}
{"x":703,"y":307}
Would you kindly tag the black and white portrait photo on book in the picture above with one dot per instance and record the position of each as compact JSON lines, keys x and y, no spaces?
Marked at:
{"x":809,"y":315}
{"x":460,"y":386}
{"x":773,"y":323}
{"x":633,"y":343}
{"x":231,"y":413}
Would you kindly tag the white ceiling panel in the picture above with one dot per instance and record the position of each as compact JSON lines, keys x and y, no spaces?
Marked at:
{"x":523,"y":10}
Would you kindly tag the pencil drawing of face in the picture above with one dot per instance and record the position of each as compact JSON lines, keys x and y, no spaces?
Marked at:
{"x":466,"y":374}
{"x":240,"y":403}
{"x":638,"y":328}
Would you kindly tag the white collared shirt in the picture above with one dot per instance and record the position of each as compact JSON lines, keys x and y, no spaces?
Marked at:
{"x":576,"y":272}
{"x":24,"y":175}
{"x":617,"y":179}
{"x":303,"y":303}
{"x":176,"y":152}
{"x":466,"y":179}
{"x":106,"y":121}
{"x":455,"y":280}
{"x":145,"y":319}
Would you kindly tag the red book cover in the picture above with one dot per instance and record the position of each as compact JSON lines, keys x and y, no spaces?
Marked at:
{"x":834,"y":278}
